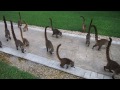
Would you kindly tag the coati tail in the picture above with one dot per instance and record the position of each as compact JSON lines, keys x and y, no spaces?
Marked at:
{"x":96,"y":33}
{"x":58,"y":52}
{"x":107,"y":49}
{"x":51,"y":23}
{"x":46,"y":33}
{"x":83,"y":19}
{"x":90,"y":26}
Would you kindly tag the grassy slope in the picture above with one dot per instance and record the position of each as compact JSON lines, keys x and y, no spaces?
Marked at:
{"x":10,"y":72}
{"x":107,"y":22}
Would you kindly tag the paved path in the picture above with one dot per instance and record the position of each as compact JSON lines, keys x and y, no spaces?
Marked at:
{"x":73,"y":47}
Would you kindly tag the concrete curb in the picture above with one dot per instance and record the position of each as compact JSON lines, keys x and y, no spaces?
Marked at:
{"x":54,"y":64}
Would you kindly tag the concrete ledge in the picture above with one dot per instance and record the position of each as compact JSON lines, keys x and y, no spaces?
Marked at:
{"x":54,"y":64}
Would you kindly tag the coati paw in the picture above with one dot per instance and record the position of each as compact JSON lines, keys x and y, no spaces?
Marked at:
{"x":7,"y":40}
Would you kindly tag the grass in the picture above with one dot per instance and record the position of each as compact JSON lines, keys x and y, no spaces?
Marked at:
{"x":107,"y":22}
{"x":10,"y":72}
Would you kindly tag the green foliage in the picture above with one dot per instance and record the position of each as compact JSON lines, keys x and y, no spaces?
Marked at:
{"x":10,"y":72}
{"x":107,"y":22}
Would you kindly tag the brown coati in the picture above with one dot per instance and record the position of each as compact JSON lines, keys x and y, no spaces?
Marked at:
{"x":55,"y":31}
{"x":88,"y":34}
{"x":83,"y":25}
{"x":99,"y":42}
{"x":25,"y":27}
{"x":111,"y":65}
{"x":19,"y":21}
{"x":0,"y":44}
{"x":48,"y":43}
{"x":64,"y":61}
{"x":25,"y":41}
{"x":7,"y":32}
{"x":18,"y":43}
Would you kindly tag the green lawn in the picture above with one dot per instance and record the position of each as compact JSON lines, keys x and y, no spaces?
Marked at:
{"x":107,"y":22}
{"x":10,"y":72}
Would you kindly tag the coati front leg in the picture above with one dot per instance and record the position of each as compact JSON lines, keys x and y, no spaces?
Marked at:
{"x":0,"y":44}
{"x":99,"y":47}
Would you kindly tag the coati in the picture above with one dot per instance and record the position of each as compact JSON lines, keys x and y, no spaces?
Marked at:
{"x":7,"y":32}
{"x":48,"y":43}
{"x":111,"y":65}
{"x":25,"y":41}
{"x":19,"y":21}
{"x":64,"y":60}
{"x":88,"y":34}
{"x":83,"y":24}
{"x":25,"y":27}
{"x":0,"y":44}
{"x":18,"y":43}
{"x":99,"y":42}
{"x":55,"y":31}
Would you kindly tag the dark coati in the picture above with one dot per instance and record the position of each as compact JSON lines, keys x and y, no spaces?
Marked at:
{"x":55,"y":31}
{"x":18,"y":43}
{"x":88,"y":34}
{"x":99,"y":42}
{"x":64,"y":60}
{"x":7,"y":32}
{"x":111,"y":65}
{"x":48,"y":43}
{"x":0,"y":44}
{"x":25,"y":27}
{"x":83,"y":24}
{"x":25,"y":41}
{"x":19,"y":21}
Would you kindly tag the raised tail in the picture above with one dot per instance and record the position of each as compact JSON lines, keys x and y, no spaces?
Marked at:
{"x":57,"y":52}
{"x":90,"y":26}
{"x":21,"y":33}
{"x":107,"y":49}
{"x":46,"y":33}
{"x":96,"y":33}
{"x":83,"y":19}
{"x":19,"y":15}
{"x":51,"y":23}
{"x":5,"y":22}
{"x":14,"y":37}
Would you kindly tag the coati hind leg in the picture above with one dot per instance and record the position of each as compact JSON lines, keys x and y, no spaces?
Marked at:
{"x":99,"y":47}
{"x":94,"y":46}
{"x":106,"y":67}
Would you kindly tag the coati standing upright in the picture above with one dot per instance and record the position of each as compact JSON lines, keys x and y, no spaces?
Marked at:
{"x":25,"y":27}
{"x":55,"y":31}
{"x":19,"y":21}
{"x":7,"y":32}
{"x":99,"y":42}
{"x":64,"y":60}
{"x":48,"y":43}
{"x":18,"y":43}
{"x":83,"y":24}
{"x":25,"y":41}
{"x":111,"y":65}
{"x":0,"y":44}
{"x":88,"y":34}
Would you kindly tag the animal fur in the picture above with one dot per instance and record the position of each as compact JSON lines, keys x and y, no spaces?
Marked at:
{"x":112,"y":66}
{"x":64,"y":61}
{"x":25,"y":41}
{"x":88,"y":34}
{"x":0,"y":44}
{"x":55,"y":31}
{"x":18,"y":43}
{"x":100,"y":42}
{"x":19,"y":21}
{"x":83,"y":25}
{"x":48,"y":43}
{"x":7,"y":32}
{"x":25,"y":27}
